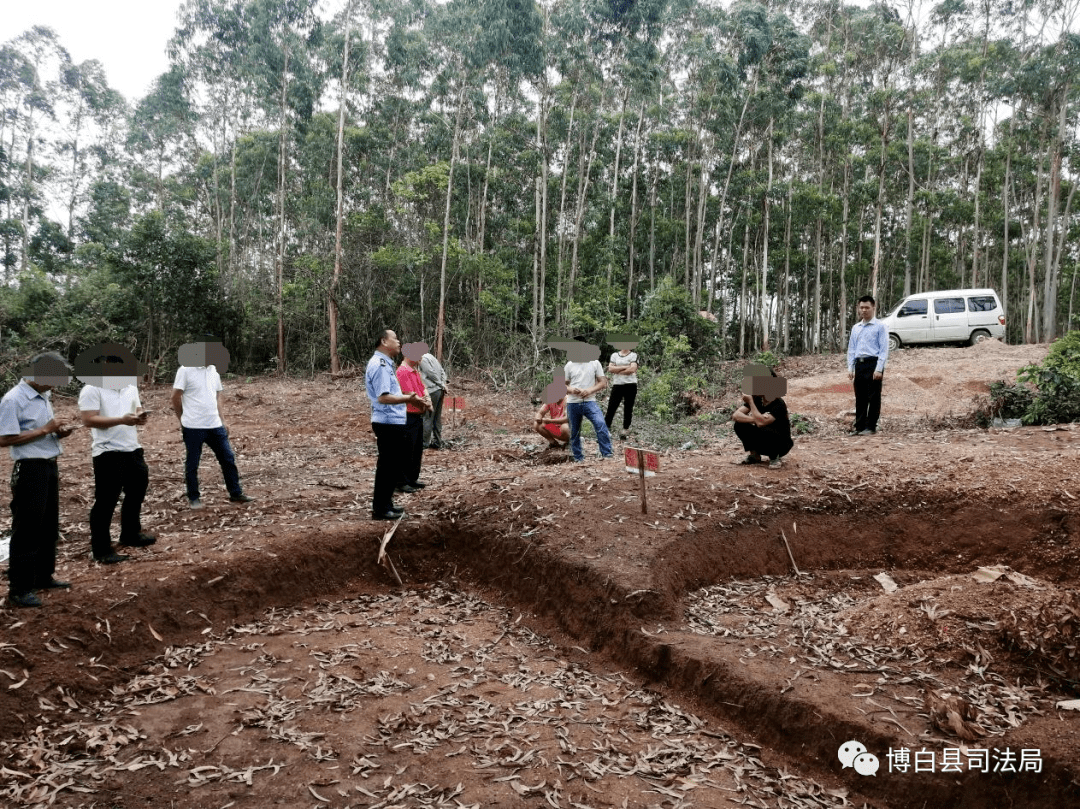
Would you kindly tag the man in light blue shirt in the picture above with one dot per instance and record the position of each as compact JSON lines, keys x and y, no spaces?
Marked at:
{"x":388,"y":423}
{"x":868,"y":351}
{"x":28,"y":427}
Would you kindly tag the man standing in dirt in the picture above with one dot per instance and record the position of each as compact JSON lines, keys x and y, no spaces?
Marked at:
{"x":388,"y":423}
{"x":28,"y":427}
{"x":584,"y":377}
{"x":437,"y":385}
{"x":110,"y":406}
{"x":868,"y":351}
{"x":196,"y":400}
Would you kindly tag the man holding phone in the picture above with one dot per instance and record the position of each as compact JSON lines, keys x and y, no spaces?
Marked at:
{"x":31,"y":431}
{"x":109,"y":405}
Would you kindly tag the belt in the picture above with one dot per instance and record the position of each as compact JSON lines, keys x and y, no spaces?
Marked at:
{"x":37,"y":460}
{"x":865,"y":359}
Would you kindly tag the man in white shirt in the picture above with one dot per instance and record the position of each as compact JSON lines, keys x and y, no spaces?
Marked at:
{"x":109,"y":405}
{"x":196,"y":400}
{"x":584,"y":377}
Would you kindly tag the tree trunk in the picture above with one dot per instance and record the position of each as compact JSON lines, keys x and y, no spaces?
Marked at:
{"x":281,"y":216}
{"x":615,"y":195}
{"x":562,"y":212}
{"x":339,"y":228}
{"x":842,"y":310}
{"x":27,"y":193}
{"x":440,"y":320}
{"x":652,"y":229}
{"x":1005,"y":228}
{"x":786,"y":311}
{"x":909,"y":206}
{"x":742,"y":295}
{"x":1051,"y":264}
{"x":765,"y":245}
{"x":633,"y":214}
{"x":579,"y":217}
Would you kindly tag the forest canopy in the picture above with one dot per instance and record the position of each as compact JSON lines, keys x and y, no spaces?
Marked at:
{"x":483,"y":173}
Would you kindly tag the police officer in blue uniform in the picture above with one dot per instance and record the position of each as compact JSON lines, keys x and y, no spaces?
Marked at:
{"x":388,"y":423}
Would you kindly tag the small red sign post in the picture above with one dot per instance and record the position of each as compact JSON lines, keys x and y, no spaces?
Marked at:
{"x":456,"y":403}
{"x":646,"y":463}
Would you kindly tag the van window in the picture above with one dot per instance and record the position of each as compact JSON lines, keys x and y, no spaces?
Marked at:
{"x":982,"y":303}
{"x":913,"y":308}
{"x":946,"y":306}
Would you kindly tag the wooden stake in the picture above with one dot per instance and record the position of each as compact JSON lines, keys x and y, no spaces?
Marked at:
{"x":393,"y":569}
{"x":792,"y":558}
{"x":641,"y":476}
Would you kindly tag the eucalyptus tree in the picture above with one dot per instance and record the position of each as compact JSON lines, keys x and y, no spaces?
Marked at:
{"x":285,"y":34}
{"x":32,"y":64}
{"x":92,"y":111}
{"x":162,"y":124}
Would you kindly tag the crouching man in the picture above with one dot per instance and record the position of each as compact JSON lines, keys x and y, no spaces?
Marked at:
{"x":762,"y":423}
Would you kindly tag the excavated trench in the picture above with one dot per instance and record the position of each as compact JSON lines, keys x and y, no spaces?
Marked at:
{"x":706,"y":627}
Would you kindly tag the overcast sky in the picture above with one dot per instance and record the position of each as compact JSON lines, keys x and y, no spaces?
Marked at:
{"x":127,"y":36}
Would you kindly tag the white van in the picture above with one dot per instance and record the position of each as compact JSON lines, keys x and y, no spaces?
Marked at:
{"x":946,"y":316}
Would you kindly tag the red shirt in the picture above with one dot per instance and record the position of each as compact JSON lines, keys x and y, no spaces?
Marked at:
{"x":410,"y":381}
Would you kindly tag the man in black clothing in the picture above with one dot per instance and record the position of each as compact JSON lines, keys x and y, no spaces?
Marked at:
{"x":762,"y":422}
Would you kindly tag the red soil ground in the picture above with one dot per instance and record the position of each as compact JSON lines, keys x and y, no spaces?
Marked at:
{"x":567,"y":547}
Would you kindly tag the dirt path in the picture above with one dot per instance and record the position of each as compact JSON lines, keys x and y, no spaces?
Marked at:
{"x":567,"y":547}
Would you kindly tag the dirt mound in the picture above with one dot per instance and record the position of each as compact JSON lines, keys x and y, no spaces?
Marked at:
{"x":946,"y":613}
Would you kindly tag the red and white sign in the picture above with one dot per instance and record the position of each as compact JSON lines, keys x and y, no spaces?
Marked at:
{"x":652,"y":461}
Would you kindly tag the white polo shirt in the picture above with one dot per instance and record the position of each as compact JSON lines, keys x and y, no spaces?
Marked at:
{"x":112,"y":404}
{"x":200,"y":387}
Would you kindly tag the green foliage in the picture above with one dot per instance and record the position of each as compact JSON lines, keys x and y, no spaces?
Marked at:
{"x":1064,"y":355}
{"x":1005,"y":402}
{"x":672,"y":331}
{"x":1056,"y":385}
{"x":671,"y":394}
{"x":800,"y":424}
{"x":1057,"y":398}
{"x":766,"y":358}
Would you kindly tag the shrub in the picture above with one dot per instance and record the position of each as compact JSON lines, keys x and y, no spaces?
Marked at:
{"x":766,"y":358}
{"x":800,"y":424}
{"x":1005,"y":402}
{"x":1057,"y":397}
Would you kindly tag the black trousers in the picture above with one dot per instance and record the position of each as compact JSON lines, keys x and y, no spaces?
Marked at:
{"x":867,"y":395}
{"x":761,"y":441}
{"x":620,"y":393}
{"x":35,"y":524}
{"x":390,"y":439}
{"x":414,"y":447}
{"x":116,"y":472}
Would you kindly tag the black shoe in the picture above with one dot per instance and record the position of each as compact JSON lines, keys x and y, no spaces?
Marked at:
{"x":240,"y":498}
{"x":138,"y":541}
{"x":53,"y":584}
{"x":417,"y":484}
{"x":396,"y":509}
{"x":23,"y":600}
{"x":436,"y":446}
{"x":112,"y":559}
{"x":406,"y":488}
{"x":386,"y":515}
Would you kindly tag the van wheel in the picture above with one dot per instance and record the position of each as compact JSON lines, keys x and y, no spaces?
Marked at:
{"x":894,"y":342}
{"x":978,"y":336}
